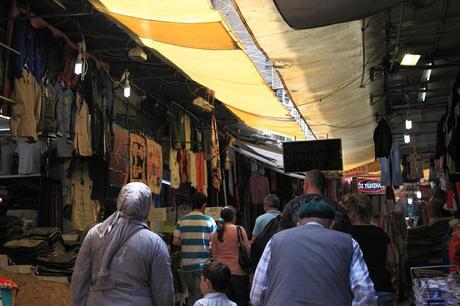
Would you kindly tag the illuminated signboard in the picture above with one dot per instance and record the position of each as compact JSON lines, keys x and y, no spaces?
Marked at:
{"x":370,"y":186}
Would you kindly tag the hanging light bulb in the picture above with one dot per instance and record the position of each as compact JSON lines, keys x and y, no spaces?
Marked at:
{"x":126,"y":88}
{"x":410,"y":201}
{"x":79,"y":64}
{"x":406,"y":138}
{"x":408,"y":124}
{"x":418,"y":193}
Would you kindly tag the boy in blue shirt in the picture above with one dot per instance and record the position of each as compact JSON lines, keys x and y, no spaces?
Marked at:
{"x":215,"y":279}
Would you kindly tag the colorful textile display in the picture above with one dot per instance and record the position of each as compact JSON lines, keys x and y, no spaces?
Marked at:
{"x":138,"y":155}
{"x":215,"y":155}
{"x":154,"y":166}
{"x":119,"y":158}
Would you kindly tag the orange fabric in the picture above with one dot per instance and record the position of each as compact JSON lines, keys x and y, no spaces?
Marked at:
{"x":154,"y":166}
{"x":210,"y":36}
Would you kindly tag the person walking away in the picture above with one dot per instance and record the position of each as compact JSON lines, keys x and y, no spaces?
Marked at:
{"x":454,"y":244}
{"x":225,"y":250}
{"x":121,"y":262}
{"x":193,"y":234}
{"x":215,"y":278}
{"x":314,"y":186}
{"x":271,"y":206}
{"x":312,"y":265}
{"x":377,"y":249}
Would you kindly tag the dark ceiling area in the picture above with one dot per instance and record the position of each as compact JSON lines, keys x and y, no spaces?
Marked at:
{"x":157,"y":81}
{"x":420,"y":93}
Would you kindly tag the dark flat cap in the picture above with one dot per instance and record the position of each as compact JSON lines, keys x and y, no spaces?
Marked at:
{"x":317,"y":208}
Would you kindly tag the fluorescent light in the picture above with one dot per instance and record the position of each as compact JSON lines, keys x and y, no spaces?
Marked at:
{"x":4,"y":129}
{"x":406,"y":138}
{"x":5,"y":117}
{"x":410,"y":59}
{"x":423,"y":96}
{"x":408,"y":124}
{"x":79,"y":64}
{"x":418,"y":193}
{"x":428,"y":75}
{"x":410,"y":201}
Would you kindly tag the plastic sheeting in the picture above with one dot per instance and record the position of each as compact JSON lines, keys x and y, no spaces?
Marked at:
{"x":194,"y":37}
{"x":322,"y":69}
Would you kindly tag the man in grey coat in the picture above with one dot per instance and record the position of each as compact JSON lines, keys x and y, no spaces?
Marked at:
{"x":121,"y":262}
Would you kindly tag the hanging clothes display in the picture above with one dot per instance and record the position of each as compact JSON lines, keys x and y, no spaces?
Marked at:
{"x":82,"y":141}
{"x":174,"y":169}
{"x":65,"y":100}
{"x":391,"y":168}
{"x":415,"y":167}
{"x":154,"y":166}
{"x":191,"y":169}
{"x":138,"y":155}
{"x":187,"y":133}
{"x":29,"y":156}
{"x":47,"y":123}
{"x":84,"y":210}
{"x":27,"y":107}
{"x":201,"y":173}
{"x":259,"y":188}
{"x":182,"y":158}
{"x":383,"y":139}
{"x":215,"y":155}
{"x":119,"y":159}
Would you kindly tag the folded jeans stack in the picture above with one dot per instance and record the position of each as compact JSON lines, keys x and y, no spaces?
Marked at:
{"x":52,"y":235}
{"x":60,"y":265}
{"x":11,"y":228}
{"x":71,"y":242}
{"x":25,"y":251}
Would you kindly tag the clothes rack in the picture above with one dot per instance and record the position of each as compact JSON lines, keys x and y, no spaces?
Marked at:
{"x":10,"y":49}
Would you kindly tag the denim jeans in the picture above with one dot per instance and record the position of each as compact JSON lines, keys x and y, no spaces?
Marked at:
{"x":65,"y":99}
{"x":192,"y":280}
{"x":391,"y":168}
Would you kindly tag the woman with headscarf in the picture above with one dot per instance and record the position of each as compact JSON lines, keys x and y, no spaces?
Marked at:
{"x":121,"y":262}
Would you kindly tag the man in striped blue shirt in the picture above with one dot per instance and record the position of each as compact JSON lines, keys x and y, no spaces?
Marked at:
{"x":193,"y":234}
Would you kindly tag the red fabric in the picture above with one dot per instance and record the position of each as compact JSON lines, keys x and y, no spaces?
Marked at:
{"x":6,"y":283}
{"x":259,"y":188}
{"x":454,"y":251}
{"x":182,"y":157}
{"x":458,"y":192}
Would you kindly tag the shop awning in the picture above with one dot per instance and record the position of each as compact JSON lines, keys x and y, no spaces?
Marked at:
{"x":323,"y":70}
{"x":194,"y":37}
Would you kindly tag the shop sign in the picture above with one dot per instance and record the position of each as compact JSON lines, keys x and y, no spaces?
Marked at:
{"x":370,"y":186}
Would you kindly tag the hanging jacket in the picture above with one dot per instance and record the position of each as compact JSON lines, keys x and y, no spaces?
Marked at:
{"x":383,"y":139}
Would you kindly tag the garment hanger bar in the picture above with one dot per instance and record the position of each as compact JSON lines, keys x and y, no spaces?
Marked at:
{"x":10,"y":49}
{"x":7,"y":99}
{"x":185,"y":110}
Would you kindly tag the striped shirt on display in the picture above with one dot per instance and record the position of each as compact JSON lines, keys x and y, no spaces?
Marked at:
{"x":195,"y":231}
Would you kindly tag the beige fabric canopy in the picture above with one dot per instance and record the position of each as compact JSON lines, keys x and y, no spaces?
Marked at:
{"x":195,"y":37}
{"x":322,"y":69}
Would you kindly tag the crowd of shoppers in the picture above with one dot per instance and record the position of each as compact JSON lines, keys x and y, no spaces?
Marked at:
{"x":321,"y":253}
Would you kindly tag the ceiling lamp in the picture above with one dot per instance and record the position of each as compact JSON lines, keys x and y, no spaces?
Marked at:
{"x":126,"y":86}
{"x":410,"y":59}
{"x":408,"y":124}
{"x":406,"y":138}
{"x":79,"y":64}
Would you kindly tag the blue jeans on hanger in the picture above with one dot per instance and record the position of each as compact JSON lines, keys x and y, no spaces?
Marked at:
{"x":390,"y":168}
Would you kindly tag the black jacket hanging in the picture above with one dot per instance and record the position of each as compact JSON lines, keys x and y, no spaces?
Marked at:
{"x":382,"y":139}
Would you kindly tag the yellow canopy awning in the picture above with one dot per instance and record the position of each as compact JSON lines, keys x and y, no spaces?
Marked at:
{"x":195,"y":37}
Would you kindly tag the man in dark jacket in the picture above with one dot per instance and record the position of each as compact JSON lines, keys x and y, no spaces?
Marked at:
{"x":314,"y":186}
